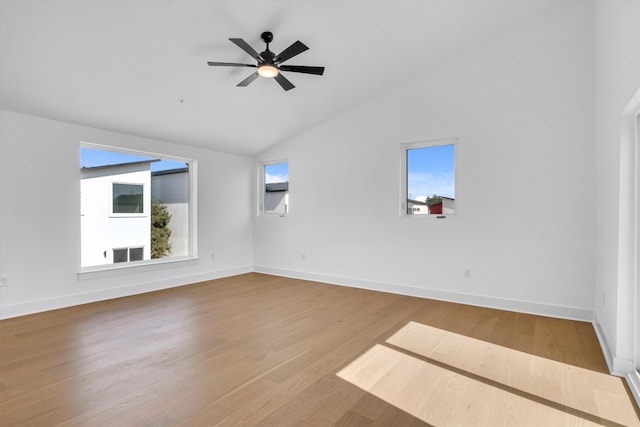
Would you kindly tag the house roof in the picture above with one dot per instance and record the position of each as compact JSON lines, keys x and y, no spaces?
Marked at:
{"x":116,"y":165}
{"x":276,"y":186}
{"x":79,"y":61}
{"x":170,"y":171}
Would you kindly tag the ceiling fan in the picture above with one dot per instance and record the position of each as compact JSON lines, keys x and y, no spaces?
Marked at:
{"x":269,"y":64}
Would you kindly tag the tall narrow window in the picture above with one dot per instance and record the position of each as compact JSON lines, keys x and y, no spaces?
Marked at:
{"x":428,"y":178}
{"x":275,"y":196}
{"x":134,"y":206}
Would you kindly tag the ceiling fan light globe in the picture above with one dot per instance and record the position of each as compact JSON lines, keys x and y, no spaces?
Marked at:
{"x":267,"y":70}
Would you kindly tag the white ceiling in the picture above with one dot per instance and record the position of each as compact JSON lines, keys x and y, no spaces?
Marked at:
{"x":140,"y":66}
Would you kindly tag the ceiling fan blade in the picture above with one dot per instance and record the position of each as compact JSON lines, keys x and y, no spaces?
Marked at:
{"x":248,"y":80}
{"x":282,"y":81}
{"x":293,"y":50}
{"x":303,"y":69}
{"x":245,"y":46}
{"x":229,"y":64}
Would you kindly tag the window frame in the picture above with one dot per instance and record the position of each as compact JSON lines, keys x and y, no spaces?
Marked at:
{"x":262,"y":189}
{"x":106,"y":270}
{"x":404,"y":176}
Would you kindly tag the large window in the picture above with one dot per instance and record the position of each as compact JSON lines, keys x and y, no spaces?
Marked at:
{"x":275,"y":185}
{"x":428,"y":178}
{"x":134,"y":207}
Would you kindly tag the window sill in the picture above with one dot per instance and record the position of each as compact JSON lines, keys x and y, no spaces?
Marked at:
{"x":110,"y":270}
{"x":431,"y":216}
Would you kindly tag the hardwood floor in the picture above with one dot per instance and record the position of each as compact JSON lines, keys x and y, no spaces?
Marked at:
{"x":258,"y":349}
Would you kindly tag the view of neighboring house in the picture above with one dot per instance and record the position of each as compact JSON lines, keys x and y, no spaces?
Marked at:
{"x":417,"y":207}
{"x":171,"y":187}
{"x":445,"y":206}
{"x":115,"y":213}
{"x":276,"y":197}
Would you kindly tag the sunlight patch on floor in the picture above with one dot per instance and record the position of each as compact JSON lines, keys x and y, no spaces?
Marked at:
{"x":444,"y":378}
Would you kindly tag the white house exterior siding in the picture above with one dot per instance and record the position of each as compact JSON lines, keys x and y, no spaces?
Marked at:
{"x":417,"y":208}
{"x":276,"y":202}
{"x":448,"y":206}
{"x":172,"y":189}
{"x":101,"y":230}
{"x":276,"y":198}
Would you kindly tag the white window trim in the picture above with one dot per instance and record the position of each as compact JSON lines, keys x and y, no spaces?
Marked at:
{"x":261,"y":189}
{"x":404,"y":147}
{"x":107,"y":270}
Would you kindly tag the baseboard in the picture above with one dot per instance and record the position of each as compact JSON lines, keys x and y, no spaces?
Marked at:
{"x":563,"y":312}
{"x":607,"y":350}
{"x":617,"y":366}
{"x":106,"y":294}
{"x":633,"y":379}
{"x":437,"y":294}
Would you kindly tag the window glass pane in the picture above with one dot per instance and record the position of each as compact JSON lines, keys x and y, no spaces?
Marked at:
{"x":136,"y":254}
{"x":134,"y":200}
{"x":127,"y":198}
{"x":120,"y":255}
{"x":276,"y":188}
{"x":430,"y":180}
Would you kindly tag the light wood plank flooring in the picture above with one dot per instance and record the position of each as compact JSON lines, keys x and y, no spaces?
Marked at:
{"x":258,"y":349}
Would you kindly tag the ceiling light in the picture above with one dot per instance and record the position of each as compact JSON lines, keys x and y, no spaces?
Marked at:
{"x":268,"y":70}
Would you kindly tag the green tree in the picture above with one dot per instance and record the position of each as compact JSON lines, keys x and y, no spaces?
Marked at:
{"x":434,"y":200}
{"x":160,"y":231}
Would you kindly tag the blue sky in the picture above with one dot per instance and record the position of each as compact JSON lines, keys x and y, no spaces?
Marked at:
{"x":278,"y":172}
{"x":431,"y":171}
{"x":90,"y":157}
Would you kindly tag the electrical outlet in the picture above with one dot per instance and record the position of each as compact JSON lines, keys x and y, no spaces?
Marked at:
{"x":303,"y":256}
{"x":213,"y":257}
{"x":466,"y":273}
{"x":4,"y":280}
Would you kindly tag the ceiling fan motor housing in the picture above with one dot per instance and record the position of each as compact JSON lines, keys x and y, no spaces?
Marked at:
{"x":267,"y":55}
{"x":267,"y":37}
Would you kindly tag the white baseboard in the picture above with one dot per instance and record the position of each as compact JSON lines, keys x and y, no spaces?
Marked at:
{"x":106,"y":294}
{"x":564,"y":312}
{"x":607,"y":350}
{"x":633,"y":379}
{"x":437,"y":294}
{"x":617,"y":366}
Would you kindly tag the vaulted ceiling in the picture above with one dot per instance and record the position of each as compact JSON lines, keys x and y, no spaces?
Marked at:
{"x":140,"y":66}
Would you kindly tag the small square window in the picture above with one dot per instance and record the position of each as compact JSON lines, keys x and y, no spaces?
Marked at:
{"x":120,"y":255}
{"x":127,"y":198}
{"x":136,"y":254}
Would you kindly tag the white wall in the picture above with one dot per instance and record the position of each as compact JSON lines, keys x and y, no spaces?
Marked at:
{"x":617,"y":80}
{"x":40,"y":217}
{"x":522,"y":108}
